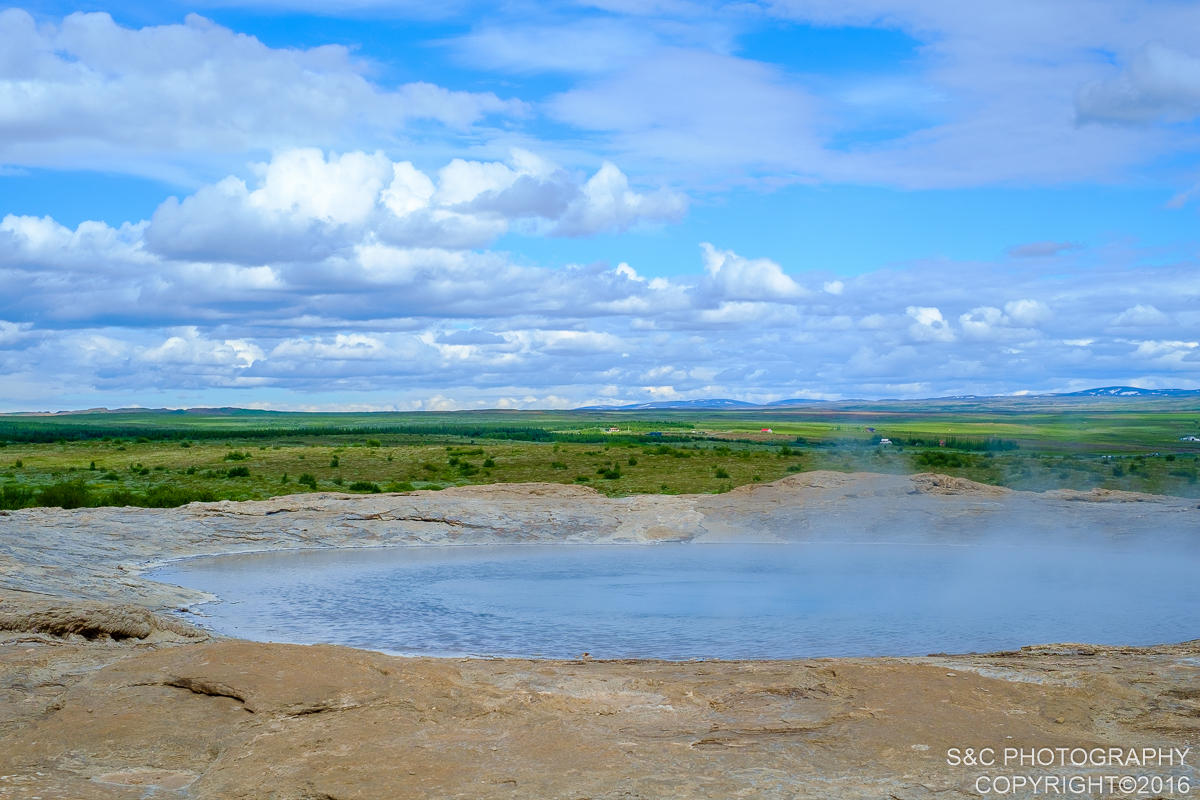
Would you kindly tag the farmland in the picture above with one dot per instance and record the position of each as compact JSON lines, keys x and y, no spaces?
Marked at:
{"x":167,"y":458}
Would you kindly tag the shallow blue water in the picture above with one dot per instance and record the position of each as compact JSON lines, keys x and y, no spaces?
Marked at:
{"x":680,"y":601}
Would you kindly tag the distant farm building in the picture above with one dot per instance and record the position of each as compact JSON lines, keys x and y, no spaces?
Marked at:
{"x":885,"y":441}
{"x":766,"y":430}
{"x":1189,"y":439}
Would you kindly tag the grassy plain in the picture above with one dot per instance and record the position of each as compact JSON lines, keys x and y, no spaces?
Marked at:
{"x":169,"y":458}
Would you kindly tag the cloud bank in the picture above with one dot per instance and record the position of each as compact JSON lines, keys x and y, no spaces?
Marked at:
{"x":353,"y":279}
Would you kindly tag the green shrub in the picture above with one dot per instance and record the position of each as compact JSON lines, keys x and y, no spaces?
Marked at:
{"x":557,"y":465}
{"x":119,"y":498}
{"x":373,"y":443}
{"x":69,"y":494}
{"x":488,"y":463}
{"x":238,"y":472}
{"x":334,"y":462}
{"x":721,"y":473}
{"x":14,"y":496}
{"x":307,"y":479}
{"x":18,"y":463}
{"x":401,"y":486}
{"x":365,"y":486}
{"x":582,"y":479}
{"x":632,"y":461}
{"x":110,"y":476}
{"x":1189,"y":473}
{"x":337,"y":481}
{"x":933,"y":458}
{"x":235,"y":455}
{"x":185,"y":444}
{"x":170,"y":496}
{"x":610,"y":474}
{"x":795,"y":468}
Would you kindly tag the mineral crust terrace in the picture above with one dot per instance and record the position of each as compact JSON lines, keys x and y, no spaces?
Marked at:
{"x":103,"y":694}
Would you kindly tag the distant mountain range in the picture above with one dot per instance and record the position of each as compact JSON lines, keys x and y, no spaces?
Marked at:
{"x":703,"y":404}
{"x":1130,"y":391}
{"x":721,"y":403}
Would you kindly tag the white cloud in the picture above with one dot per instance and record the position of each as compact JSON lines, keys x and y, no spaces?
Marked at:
{"x":1028,"y":313}
{"x":732,"y":277}
{"x":685,"y":106}
{"x":13,"y":332}
{"x":834,"y":287}
{"x":606,"y":203}
{"x":1159,"y":81}
{"x":308,"y":208}
{"x":91,"y":92}
{"x":189,"y":347}
{"x":586,"y":46}
{"x":929,"y":325}
{"x":1139,"y":316}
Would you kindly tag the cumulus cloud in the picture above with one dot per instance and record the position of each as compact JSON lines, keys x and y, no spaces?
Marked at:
{"x":1159,"y":82}
{"x":1028,"y":312}
{"x":88,"y":89}
{"x":1139,"y":316}
{"x":190,"y":348}
{"x":12,"y":332}
{"x":987,"y":323}
{"x":929,"y":325}
{"x":475,"y":330}
{"x":308,"y":207}
{"x":732,"y":277}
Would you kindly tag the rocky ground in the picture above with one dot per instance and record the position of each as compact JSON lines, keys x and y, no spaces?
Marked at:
{"x":101,"y":697}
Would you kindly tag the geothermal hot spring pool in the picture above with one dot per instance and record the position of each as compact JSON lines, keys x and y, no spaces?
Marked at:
{"x":682,"y":601}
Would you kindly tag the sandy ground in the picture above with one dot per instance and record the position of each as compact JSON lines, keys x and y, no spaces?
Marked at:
{"x":100,"y":697}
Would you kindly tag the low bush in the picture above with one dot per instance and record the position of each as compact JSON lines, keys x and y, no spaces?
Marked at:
{"x":69,"y":494}
{"x":933,"y":458}
{"x":14,"y":496}
{"x":365,"y":486}
{"x":307,"y":479}
{"x":169,"y":496}
{"x":238,"y":472}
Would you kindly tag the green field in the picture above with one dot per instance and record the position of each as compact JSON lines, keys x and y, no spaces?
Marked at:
{"x":167,"y":458}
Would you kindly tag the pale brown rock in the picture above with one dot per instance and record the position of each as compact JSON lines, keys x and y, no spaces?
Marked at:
{"x":100,"y":697}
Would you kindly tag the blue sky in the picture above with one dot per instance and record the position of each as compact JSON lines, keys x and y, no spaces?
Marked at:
{"x":401,"y":205}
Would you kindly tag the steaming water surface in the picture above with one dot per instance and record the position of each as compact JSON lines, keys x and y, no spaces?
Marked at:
{"x":681,"y":601}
